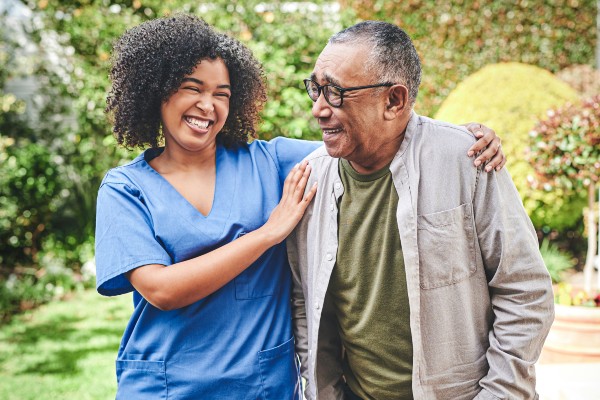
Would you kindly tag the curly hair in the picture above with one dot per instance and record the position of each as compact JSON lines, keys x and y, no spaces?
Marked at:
{"x":149,"y":63}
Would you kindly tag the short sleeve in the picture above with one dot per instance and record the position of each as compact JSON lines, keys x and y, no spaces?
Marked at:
{"x":125,"y":237}
{"x":288,"y":152}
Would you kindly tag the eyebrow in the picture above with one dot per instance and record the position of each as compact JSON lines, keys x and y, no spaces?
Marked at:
{"x":327,"y":77}
{"x":199,"y":82}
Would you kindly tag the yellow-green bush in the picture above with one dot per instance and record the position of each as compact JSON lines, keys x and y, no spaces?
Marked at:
{"x":510,"y":98}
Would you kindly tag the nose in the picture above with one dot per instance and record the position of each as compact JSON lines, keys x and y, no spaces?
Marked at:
{"x":205,"y":103}
{"x":320,"y":108}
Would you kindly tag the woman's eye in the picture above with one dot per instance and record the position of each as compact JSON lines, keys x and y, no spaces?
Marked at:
{"x":192,"y":88}
{"x":227,"y":95}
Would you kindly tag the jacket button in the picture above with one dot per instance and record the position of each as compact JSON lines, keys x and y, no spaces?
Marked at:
{"x":329,"y":257}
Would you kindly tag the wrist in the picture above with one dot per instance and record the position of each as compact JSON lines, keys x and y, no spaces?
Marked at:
{"x":267,"y":237}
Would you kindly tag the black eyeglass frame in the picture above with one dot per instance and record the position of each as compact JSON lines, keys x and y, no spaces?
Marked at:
{"x":321,"y":88}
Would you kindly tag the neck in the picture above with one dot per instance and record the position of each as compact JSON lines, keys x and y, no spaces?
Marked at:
{"x":381,"y":155}
{"x":176,"y":159}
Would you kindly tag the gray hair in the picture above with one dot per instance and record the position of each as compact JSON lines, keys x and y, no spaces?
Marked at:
{"x":393,"y":57}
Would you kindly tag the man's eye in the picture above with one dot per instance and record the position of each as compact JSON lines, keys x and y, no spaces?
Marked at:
{"x":334,"y":91}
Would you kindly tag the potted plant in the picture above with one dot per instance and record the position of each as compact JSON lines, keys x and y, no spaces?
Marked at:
{"x":565,"y":152}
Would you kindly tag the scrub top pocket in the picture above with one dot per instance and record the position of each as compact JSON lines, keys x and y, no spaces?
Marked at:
{"x":141,"y":380}
{"x":280,"y":373}
{"x":256,"y":281}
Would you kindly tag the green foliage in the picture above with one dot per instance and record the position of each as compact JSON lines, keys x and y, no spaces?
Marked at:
{"x":281,"y":35}
{"x":63,"y":350}
{"x":29,"y":197}
{"x":556,"y":261}
{"x":510,"y":97}
{"x":53,"y":157}
{"x":28,"y":287}
{"x":457,"y":38}
{"x":565,"y":146}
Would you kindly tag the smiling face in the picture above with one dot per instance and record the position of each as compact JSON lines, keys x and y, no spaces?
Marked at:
{"x":194,"y":115}
{"x":356,"y":130}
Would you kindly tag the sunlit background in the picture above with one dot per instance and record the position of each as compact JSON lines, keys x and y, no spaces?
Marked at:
{"x":528,"y":69}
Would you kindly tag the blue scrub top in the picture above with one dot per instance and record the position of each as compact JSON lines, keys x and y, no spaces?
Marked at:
{"x":237,"y":342}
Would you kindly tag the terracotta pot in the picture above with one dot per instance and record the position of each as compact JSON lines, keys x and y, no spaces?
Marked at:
{"x":574,"y":336}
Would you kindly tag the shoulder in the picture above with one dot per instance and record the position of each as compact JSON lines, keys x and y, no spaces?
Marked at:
{"x":432,"y":129}
{"x":285,"y":152}
{"x":285,"y":145}
{"x":125,"y":176}
{"x":438,"y":142}
{"x":320,"y":157}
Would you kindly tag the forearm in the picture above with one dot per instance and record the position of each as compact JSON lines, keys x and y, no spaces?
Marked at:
{"x":186,"y":282}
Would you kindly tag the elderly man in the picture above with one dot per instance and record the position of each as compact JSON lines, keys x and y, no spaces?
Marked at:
{"x":416,"y":274}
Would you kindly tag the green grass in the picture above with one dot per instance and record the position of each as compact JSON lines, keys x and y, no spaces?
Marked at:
{"x":63,"y":350}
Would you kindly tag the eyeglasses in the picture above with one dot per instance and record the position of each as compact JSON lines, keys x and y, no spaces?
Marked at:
{"x":334,"y":95}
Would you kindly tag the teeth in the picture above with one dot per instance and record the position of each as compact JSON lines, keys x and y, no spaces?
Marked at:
{"x":202,"y":124}
{"x":332,"y":131}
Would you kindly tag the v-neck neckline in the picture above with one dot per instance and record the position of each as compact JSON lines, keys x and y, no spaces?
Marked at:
{"x":220,"y":191}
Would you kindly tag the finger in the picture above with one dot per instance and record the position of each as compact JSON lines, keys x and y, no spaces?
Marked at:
{"x":294,"y":176}
{"x":310,"y":195}
{"x":487,"y":136}
{"x":287,"y":182}
{"x":301,"y":185}
{"x":490,"y":152}
{"x":491,"y":165}
{"x":289,"y":176}
{"x":502,"y":163}
{"x":495,"y":160}
{"x":474,"y":128}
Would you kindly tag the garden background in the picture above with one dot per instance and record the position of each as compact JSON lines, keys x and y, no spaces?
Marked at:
{"x":503,"y":63}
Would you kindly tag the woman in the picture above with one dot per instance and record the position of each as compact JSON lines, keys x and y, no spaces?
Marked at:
{"x":194,"y":228}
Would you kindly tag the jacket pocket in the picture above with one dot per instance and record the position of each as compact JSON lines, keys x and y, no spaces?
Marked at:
{"x":140,"y":379}
{"x":446,"y":247}
{"x":280,"y":372}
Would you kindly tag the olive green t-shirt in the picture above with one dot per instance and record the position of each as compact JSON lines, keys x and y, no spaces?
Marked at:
{"x":368,"y":288}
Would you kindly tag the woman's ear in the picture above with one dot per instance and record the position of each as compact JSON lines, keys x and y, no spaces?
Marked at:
{"x":397,"y":101}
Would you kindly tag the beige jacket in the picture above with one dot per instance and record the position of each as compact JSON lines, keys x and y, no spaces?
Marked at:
{"x":480,"y":296}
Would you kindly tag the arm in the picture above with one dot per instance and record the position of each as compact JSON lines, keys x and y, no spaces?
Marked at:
{"x":519,"y":286}
{"x":488,"y":140}
{"x":194,"y":279}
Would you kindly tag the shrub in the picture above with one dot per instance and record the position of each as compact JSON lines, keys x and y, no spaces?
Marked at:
{"x":509,"y":97}
{"x":565,"y":152}
{"x":556,"y":261}
{"x":565,"y":146}
{"x":457,"y":38}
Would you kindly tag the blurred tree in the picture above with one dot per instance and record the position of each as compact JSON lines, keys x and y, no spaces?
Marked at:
{"x":565,"y":152}
{"x":56,"y":141}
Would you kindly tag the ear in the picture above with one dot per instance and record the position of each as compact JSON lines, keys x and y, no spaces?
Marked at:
{"x":397,"y":102}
